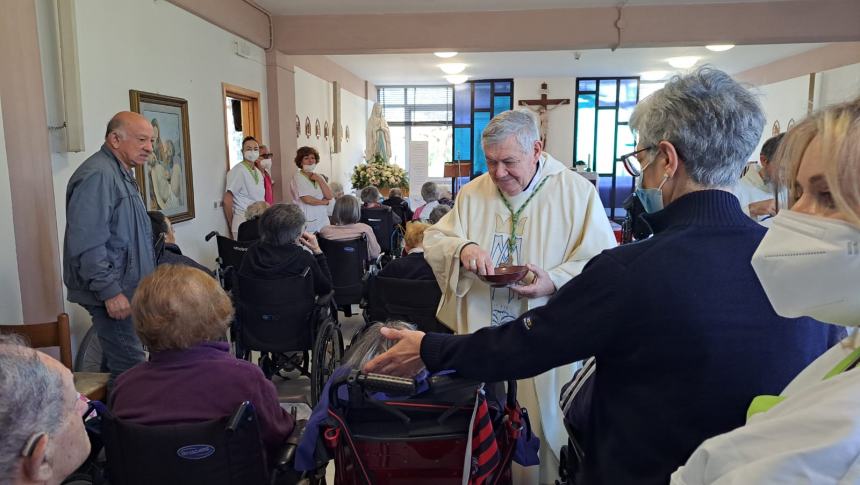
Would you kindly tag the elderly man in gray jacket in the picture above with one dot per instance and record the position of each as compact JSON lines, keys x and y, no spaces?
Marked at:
{"x":108,"y":242}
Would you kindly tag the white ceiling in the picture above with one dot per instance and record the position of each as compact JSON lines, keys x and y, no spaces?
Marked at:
{"x":382,"y":69}
{"x":349,"y":7}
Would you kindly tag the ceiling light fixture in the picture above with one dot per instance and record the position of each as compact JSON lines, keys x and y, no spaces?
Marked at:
{"x":653,"y":75}
{"x":683,"y":62}
{"x":457,"y":78}
{"x":452,"y":67}
{"x":445,"y":55}
{"x":719,"y":47}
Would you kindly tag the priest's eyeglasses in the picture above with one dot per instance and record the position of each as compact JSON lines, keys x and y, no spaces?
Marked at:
{"x":631,"y":161}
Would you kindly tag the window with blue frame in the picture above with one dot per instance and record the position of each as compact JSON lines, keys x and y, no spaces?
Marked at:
{"x":602,"y":133}
{"x":475,"y":104}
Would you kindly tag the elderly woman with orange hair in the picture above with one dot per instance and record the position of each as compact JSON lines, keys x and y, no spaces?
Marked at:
{"x":311,"y":190}
{"x":181,"y":314}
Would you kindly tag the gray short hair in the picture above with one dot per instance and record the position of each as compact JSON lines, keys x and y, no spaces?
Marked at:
{"x":31,"y":401}
{"x":430,"y":191}
{"x":347,"y":210}
{"x":395,"y":192}
{"x":371,"y":343}
{"x":281,"y":224}
{"x":713,"y":122}
{"x":256,"y":209}
{"x":438,"y":213}
{"x":336,"y":188}
{"x":370,"y":195}
{"x":519,"y":123}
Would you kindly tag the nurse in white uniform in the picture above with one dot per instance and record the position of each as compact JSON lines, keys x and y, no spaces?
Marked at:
{"x":244,"y":185}
{"x":311,"y":189}
{"x":809,"y":265}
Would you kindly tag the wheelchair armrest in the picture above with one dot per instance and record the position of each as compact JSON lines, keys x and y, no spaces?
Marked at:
{"x":325,"y":300}
{"x":288,"y":452}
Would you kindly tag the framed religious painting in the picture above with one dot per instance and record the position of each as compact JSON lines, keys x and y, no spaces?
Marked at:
{"x":298,"y":127}
{"x":317,"y":128}
{"x":325,"y":130}
{"x":307,"y":127}
{"x":165,"y":180}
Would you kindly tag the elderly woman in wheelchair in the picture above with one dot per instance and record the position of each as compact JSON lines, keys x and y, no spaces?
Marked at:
{"x":181,"y":314}
{"x":428,"y":429}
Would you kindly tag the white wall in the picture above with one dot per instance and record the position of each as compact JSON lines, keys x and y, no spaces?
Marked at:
{"x":157,"y":47}
{"x":788,"y":99}
{"x":839,"y":85}
{"x":314,"y":100}
{"x":560,"y":132}
{"x":10,"y":288}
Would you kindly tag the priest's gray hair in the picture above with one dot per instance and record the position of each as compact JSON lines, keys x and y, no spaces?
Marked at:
{"x":31,"y":401}
{"x":713,"y":122}
{"x":281,"y":224}
{"x":371,"y":343}
{"x":517,"y":122}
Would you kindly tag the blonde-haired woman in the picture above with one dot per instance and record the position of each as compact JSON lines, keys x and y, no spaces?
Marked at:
{"x":809,"y":265}
{"x":181,"y":314}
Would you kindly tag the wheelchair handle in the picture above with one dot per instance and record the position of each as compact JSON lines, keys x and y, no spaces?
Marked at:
{"x":387,"y":384}
{"x":211,"y":235}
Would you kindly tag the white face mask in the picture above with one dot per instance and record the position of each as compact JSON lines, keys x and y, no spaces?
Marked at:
{"x":810,"y":266}
{"x":266,"y":164}
{"x":251,"y":155}
{"x":309,"y":168}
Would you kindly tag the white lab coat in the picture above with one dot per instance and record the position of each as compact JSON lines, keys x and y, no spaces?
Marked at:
{"x":812,"y":437}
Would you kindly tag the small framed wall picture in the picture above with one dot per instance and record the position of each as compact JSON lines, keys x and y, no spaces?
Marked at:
{"x":317,"y":130}
{"x":307,"y":126}
{"x":325,"y":130}
{"x":298,"y":127}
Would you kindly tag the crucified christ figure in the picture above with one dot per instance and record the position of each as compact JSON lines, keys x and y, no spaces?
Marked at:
{"x":543,"y":106}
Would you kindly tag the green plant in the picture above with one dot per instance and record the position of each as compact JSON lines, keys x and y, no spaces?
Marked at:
{"x":380,"y":174}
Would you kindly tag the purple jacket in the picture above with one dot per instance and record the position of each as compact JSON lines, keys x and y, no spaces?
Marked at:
{"x":201,"y":383}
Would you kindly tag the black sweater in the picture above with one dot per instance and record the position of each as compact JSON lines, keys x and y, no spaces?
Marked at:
{"x":683,"y":334}
{"x":267,"y":262}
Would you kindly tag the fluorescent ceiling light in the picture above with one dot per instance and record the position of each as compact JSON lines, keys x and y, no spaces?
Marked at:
{"x":653,"y":75}
{"x":445,"y":55}
{"x":719,"y":47}
{"x":457,"y":78}
{"x":684,"y":62}
{"x":452,"y":67}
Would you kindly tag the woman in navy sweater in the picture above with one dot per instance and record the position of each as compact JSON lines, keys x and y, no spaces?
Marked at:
{"x":683,"y":334}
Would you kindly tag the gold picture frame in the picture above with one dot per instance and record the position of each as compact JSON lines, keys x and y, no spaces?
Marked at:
{"x":165,"y":181}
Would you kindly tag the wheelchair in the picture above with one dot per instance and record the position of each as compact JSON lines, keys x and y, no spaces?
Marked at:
{"x":230,"y":254}
{"x":388,"y":235}
{"x":376,"y":438}
{"x":221,"y":451}
{"x":349,"y":265}
{"x":412,"y":301}
{"x":283,"y":319}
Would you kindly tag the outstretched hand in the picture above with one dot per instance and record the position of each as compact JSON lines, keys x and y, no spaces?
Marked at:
{"x":542,"y":285}
{"x":401,"y":360}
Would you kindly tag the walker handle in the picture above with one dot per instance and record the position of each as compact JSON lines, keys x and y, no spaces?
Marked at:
{"x":388,"y":384}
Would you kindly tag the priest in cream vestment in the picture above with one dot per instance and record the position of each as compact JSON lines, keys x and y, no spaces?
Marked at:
{"x":527,"y":209}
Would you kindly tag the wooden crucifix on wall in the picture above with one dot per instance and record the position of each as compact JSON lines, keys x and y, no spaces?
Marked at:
{"x":543,"y":106}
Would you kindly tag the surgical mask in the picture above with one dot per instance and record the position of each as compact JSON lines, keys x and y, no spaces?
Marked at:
{"x":266,"y":164}
{"x":309,"y":168}
{"x":251,"y":155}
{"x":652,"y":199}
{"x":810,"y":266}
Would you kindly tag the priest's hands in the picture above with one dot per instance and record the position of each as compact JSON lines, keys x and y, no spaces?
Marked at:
{"x":476,"y":260}
{"x":763,"y":208}
{"x":401,"y":360}
{"x":542,"y":285}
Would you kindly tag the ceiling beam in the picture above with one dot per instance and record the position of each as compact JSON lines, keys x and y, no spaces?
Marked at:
{"x":793,"y":21}
{"x":238,"y":17}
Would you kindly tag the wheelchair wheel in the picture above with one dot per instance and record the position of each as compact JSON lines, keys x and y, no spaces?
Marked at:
{"x":89,"y":358}
{"x":327,"y":354}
